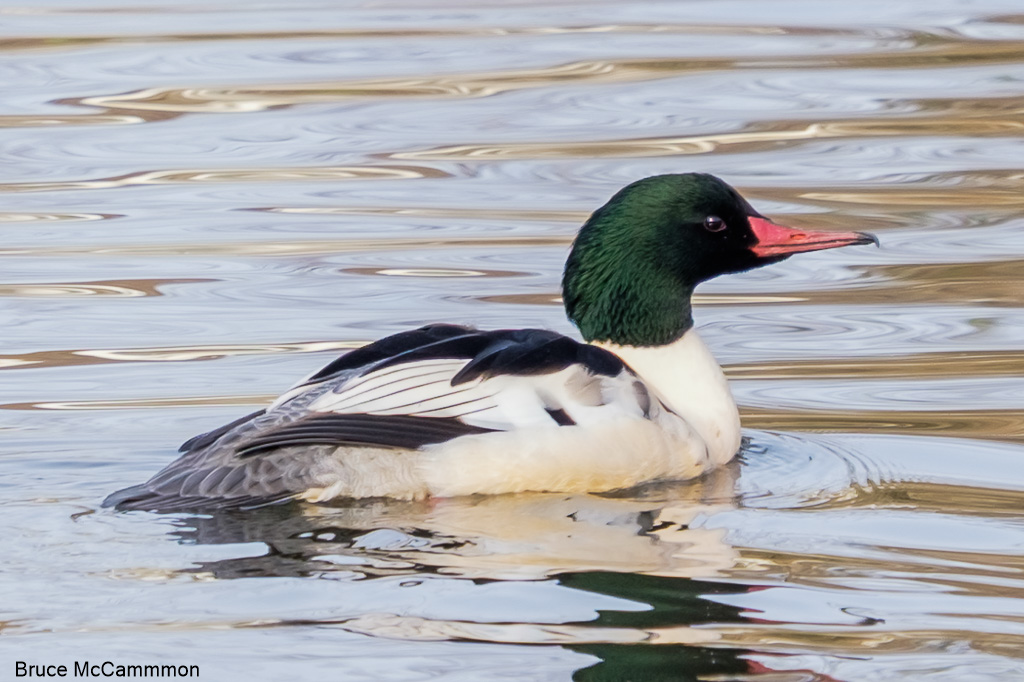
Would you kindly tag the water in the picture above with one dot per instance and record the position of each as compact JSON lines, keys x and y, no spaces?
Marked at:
{"x":201,"y":203}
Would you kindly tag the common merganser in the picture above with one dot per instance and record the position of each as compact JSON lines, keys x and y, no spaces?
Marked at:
{"x":448,"y":410}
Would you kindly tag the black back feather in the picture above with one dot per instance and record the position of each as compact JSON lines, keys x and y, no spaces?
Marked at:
{"x":521,"y":352}
{"x":389,"y":347}
{"x":527,"y":352}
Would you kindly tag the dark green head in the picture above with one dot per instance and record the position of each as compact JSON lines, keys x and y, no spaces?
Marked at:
{"x":636,"y":261}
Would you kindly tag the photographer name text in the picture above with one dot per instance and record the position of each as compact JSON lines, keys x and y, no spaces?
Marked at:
{"x":104,"y":670}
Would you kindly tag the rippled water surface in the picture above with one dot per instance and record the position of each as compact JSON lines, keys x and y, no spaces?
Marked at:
{"x":201,"y":203}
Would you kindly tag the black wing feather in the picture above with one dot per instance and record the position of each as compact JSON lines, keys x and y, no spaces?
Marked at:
{"x":377,"y":430}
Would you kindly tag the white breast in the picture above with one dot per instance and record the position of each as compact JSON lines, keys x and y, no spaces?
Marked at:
{"x":689,"y":380}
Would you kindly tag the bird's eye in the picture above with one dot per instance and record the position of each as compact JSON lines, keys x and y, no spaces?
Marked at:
{"x":714,"y":224}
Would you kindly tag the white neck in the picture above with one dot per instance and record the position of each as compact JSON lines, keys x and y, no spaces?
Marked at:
{"x":688,"y":379}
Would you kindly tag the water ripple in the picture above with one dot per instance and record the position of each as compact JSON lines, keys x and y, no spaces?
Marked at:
{"x":240,"y":175}
{"x":40,"y":217}
{"x":919,"y":366}
{"x":160,"y":103}
{"x":295,"y":248}
{"x":93,"y":356}
{"x":117,"y":288}
{"x":997,"y":425}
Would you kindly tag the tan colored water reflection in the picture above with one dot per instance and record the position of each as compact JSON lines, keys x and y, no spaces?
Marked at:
{"x":990,"y":116}
{"x":999,"y":119}
{"x":98,"y":356}
{"x":433,"y":272}
{"x":1002,"y":425}
{"x":142,"y":403}
{"x":832,"y":640}
{"x":504,"y":214}
{"x":982,"y":191}
{"x":964,"y":500}
{"x":317,"y":247}
{"x":36,"y":216}
{"x":921,"y":366}
{"x":14,"y":44}
{"x":248,"y":174}
{"x":927,"y":51}
{"x":131,"y":288}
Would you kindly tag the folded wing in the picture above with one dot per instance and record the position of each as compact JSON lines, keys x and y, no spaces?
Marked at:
{"x":403,"y":393}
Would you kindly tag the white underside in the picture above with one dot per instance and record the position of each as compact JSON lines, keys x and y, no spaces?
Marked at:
{"x":612,"y":446}
{"x":619,"y":453}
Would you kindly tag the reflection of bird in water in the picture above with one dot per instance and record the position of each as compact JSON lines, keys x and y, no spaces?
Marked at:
{"x":675,"y":606}
{"x":447,"y":410}
{"x":526,"y":536}
{"x":680,"y":586}
{"x":638,"y":548}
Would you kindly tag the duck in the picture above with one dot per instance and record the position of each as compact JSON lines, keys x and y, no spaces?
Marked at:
{"x":448,"y":410}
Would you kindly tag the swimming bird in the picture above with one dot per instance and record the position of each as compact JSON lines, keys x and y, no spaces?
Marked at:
{"x":448,"y":410}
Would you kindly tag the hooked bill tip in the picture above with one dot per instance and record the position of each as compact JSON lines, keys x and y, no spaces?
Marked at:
{"x":868,"y":238}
